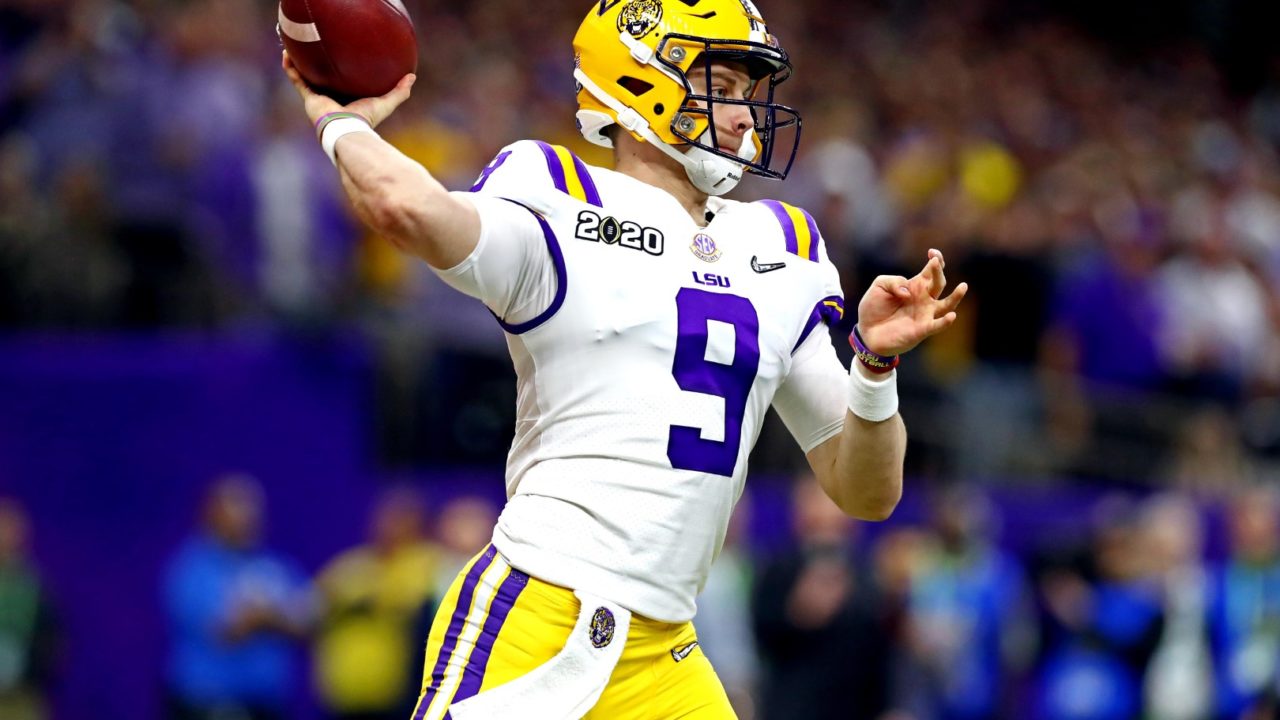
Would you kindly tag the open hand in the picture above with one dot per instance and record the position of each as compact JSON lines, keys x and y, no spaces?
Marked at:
{"x":896,"y":314}
{"x":375,"y":109}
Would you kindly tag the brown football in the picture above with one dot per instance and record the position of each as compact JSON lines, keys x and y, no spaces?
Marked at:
{"x":349,"y":49}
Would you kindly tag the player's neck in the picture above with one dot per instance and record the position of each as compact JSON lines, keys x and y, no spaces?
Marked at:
{"x":650,"y":166}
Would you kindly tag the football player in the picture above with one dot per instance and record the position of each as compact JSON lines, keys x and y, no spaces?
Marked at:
{"x":652,"y":324}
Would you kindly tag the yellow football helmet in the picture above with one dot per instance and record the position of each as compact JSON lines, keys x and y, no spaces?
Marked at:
{"x":633,"y":60}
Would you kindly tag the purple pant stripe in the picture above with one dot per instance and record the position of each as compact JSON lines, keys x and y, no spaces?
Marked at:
{"x":554,"y":166}
{"x":455,"y":629}
{"x":814,"y":237}
{"x":788,"y":227}
{"x":588,"y":184}
{"x":473,"y":675}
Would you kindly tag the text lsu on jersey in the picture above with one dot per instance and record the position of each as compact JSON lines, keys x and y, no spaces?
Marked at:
{"x":648,"y":349}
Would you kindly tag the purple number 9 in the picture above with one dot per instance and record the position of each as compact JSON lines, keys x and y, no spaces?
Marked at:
{"x":695,"y":373}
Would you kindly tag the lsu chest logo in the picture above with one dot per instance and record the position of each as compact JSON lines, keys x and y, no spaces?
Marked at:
{"x":610,"y":231}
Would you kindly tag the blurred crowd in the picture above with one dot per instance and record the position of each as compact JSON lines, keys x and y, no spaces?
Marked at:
{"x":1115,"y":209}
{"x":1155,"y":606}
{"x":235,"y":608}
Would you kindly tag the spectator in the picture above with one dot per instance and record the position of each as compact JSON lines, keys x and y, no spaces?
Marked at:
{"x":1222,"y":326}
{"x":823,"y":650}
{"x":998,"y":402}
{"x":304,"y":252}
{"x":234,"y":611}
{"x":970,"y":623}
{"x":371,"y":596}
{"x":1179,"y":680}
{"x":1103,"y":626}
{"x":1245,"y":617}
{"x":1117,"y":274}
{"x":28,"y":636}
{"x":464,"y":528}
{"x":896,"y":560}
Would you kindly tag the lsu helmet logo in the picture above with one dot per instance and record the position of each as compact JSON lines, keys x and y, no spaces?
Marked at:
{"x":638,"y":17}
{"x":602,"y":627}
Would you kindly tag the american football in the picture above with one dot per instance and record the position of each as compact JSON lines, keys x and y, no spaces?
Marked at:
{"x":349,"y":48}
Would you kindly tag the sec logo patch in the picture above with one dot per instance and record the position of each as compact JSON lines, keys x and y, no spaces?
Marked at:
{"x":704,"y":246}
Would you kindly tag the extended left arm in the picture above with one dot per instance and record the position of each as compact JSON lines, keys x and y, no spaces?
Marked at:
{"x":861,"y":468}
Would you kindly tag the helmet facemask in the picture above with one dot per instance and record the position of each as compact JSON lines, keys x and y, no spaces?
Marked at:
{"x":767,"y":66}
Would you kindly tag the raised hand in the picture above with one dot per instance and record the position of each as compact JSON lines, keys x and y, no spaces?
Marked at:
{"x":375,"y":109}
{"x":897,"y":314}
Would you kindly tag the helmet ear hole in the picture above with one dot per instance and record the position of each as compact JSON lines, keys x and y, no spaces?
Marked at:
{"x":635,"y":86}
{"x":659,"y":109}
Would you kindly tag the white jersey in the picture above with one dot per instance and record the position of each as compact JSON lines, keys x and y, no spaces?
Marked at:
{"x":648,"y":349}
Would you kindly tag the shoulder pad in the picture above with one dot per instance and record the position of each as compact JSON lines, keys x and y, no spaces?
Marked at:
{"x":798,"y":228}
{"x":534,"y":163}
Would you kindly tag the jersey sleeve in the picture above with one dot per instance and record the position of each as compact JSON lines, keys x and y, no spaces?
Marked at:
{"x":828,"y":308}
{"x":811,"y":400}
{"x":516,"y":269}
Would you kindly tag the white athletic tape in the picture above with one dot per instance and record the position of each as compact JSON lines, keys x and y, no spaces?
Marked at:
{"x":301,"y":32}
{"x":339,"y":129}
{"x":872,"y":400}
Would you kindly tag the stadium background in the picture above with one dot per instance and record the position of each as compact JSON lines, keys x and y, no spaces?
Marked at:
{"x":184,"y":295}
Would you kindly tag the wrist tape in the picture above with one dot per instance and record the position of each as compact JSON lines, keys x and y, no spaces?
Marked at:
{"x":873,"y":400}
{"x":336,"y":125}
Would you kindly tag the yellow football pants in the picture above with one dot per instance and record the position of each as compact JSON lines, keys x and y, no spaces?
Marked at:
{"x":496,"y":624}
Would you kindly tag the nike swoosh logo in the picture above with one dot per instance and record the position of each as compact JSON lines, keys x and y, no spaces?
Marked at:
{"x":681,"y":653}
{"x":763,"y":268}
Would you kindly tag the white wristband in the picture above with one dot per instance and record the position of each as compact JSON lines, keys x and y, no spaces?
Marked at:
{"x":337,"y":129}
{"x":872,"y":400}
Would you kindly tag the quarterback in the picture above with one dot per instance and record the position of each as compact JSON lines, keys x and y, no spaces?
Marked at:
{"x":652,"y":324}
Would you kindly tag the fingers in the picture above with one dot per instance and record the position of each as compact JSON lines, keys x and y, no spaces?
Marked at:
{"x":400,"y":92}
{"x":405,"y":86}
{"x":942,"y":323}
{"x":933,"y":272}
{"x":377,"y":109}
{"x":294,"y":76}
{"x":895,"y":285}
{"x":952,"y":301}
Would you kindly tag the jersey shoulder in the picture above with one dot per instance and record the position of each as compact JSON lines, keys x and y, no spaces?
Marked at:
{"x":791,"y":234}
{"x":794,"y":229}
{"x":531,"y":171}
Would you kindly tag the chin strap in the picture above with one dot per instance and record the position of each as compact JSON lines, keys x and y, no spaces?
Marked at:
{"x":711,"y":173}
